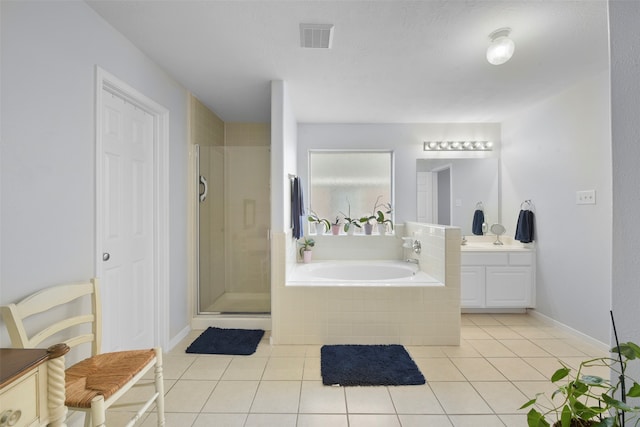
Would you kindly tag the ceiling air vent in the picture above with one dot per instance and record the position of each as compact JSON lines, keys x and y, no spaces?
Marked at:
{"x":317,"y":36}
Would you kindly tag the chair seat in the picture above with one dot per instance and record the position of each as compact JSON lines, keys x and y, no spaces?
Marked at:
{"x":103,"y":374}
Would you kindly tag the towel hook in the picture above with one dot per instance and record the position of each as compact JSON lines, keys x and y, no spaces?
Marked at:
{"x":526,"y":205}
{"x":479,"y":205}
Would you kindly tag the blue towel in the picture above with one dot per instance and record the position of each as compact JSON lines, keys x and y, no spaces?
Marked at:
{"x":297,"y":208}
{"x":478,"y":220}
{"x":524,"y":229}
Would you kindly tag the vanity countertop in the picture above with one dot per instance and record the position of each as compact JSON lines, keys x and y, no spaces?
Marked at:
{"x":485,"y":244}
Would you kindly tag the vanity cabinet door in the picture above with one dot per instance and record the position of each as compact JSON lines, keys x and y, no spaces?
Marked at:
{"x":508,"y":286}
{"x":472,"y":284}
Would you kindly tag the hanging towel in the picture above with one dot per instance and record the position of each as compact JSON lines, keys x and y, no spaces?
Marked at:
{"x":478,"y":220}
{"x":297,"y":208}
{"x":524,"y":229}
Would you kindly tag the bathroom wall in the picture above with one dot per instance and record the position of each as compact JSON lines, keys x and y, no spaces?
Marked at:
{"x":404,"y":139}
{"x":549,"y":152}
{"x":625,"y":109}
{"x":49,"y":55}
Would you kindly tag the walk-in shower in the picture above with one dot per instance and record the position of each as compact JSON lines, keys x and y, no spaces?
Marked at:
{"x":233,"y":223}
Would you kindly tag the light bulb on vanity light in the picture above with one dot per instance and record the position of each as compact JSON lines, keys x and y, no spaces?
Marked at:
{"x":501,"y":47}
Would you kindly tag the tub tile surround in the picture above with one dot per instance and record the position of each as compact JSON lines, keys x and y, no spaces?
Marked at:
{"x":368,"y":315}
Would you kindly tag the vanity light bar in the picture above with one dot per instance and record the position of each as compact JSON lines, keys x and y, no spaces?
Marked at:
{"x":458,"y":146}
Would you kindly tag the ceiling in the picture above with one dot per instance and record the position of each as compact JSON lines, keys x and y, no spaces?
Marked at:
{"x":391,"y":61}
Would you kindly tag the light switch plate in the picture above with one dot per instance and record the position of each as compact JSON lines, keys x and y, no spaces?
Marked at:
{"x":586,"y":197}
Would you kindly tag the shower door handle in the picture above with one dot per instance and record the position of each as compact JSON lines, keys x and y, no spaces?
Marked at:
{"x":205,"y":188}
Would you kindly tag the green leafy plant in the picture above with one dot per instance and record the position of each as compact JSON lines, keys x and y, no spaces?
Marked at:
{"x":348,"y":220}
{"x":378,"y":213}
{"x":314,"y":218}
{"x":588,"y":400}
{"x":306,"y":245}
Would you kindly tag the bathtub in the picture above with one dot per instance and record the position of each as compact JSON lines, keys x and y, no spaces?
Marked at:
{"x":360,"y":274}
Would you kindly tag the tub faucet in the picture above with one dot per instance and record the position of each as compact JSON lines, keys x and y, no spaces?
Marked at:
{"x":412,"y":261}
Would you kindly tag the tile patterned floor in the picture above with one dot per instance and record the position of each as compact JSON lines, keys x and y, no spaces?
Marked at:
{"x":501,"y":362}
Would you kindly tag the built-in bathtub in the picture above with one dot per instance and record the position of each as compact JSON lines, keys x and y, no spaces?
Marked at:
{"x":360,"y":274}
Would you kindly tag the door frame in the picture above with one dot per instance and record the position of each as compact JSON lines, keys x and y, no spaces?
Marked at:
{"x":160,"y":208}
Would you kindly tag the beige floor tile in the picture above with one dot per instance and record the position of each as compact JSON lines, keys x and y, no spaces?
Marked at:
{"x":491,"y":348}
{"x":179,"y":349}
{"x":463,"y":350}
{"x":474,"y":332}
{"x":311,"y":370}
{"x":368,"y":420}
{"x":173,"y":366}
{"x":531,"y":388}
{"x":476,"y":421}
{"x":119,"y":418}
{"x":264,"y":349}
{"x":501,"y":332}
{"x":513,"y":420}
{"x":284,"y":368}
{"x":524,"y":348}
{"x":424,"y":421}
{"x":481,"y":319}
{"x":245,"y":369}
{"x":271,"y":420}
{"x":207,"y":368}
{"x":425,"y":351}
{"x":231,"y":397}
{"x":323,"y":420}
{"x":516,"y":319}
{"x":369,"y":400}
{"x":545,"y":365}
{"x":417,"y":399}
{"x":515,"y":369}
{"x":439,"y":369}
{"x":188,"y":396}
{"x":220,"y":420}
{"x":533,"y":332}
{"x":288,"y":351}
{"x":279,"y":397}
{"x":477,"y":369}
{"x":172,"y":419}
{"x":558,"y":347}
{"x":459,"y":398}
{"x":316,"y":398}
{"x":503,"y":397}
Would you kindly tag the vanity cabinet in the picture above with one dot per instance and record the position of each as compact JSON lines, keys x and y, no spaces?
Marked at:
{"x":500,"y":279}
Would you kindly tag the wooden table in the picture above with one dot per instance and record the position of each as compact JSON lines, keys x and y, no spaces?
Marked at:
{"x":32,"y":386}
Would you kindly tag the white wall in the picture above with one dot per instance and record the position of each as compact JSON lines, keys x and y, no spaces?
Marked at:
{"x":625,"y":109}
{"x":549,"y":152}
{"x":404,"y":139}
{"x":49,"y":54}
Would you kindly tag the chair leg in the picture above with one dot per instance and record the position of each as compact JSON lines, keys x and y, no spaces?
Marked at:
{"x":98,"y":412}
{"x":159,"y":380}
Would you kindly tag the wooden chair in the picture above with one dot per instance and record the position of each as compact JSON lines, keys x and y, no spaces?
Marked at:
{"x":94,"y":384}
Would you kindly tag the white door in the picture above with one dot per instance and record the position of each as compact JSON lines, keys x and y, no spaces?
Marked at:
{"x":127,"y":240}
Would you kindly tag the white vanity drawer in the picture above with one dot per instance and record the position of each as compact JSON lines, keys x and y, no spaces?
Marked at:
{"x":520,"y":258}
{"x":20,"y":396}
{"x":484,"y":258}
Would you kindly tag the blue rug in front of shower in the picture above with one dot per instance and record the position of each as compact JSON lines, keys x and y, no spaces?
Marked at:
{"x":368,"y":365}
{"x":241,"y":342}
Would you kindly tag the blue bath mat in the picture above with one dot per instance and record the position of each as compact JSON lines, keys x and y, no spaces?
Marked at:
{"x":241,"y":342}
{"x":368,"y":365}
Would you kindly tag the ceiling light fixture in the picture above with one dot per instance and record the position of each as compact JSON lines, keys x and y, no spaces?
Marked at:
{"x":501,"y":48}
{"x":458,"y":146}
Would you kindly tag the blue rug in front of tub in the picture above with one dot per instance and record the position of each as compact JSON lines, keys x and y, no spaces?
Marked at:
{"x":241,"y":342}
{"x":368,"y":365}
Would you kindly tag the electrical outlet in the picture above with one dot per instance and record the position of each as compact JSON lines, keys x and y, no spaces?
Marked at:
{"x":586,"y":197}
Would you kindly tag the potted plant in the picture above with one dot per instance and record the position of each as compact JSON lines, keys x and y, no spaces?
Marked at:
{"x":350,"y":224}
{"x":335,"y":227}
{"x":305,"y":249}
{"x":377,"y":216}
{"x":588,"y":400}
{"x":315,"y":219}
{"x":382,"y":221}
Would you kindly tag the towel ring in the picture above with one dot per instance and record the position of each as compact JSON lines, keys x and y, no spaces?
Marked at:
{"x":526,"y":205}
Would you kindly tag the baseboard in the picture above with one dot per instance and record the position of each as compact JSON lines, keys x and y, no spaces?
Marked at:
{"x":581,"y":335}
{"x":232,"y":321}
{"x":179,"y":337}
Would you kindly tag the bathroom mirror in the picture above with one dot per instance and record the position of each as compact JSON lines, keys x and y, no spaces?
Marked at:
{"x":450,"y":190}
